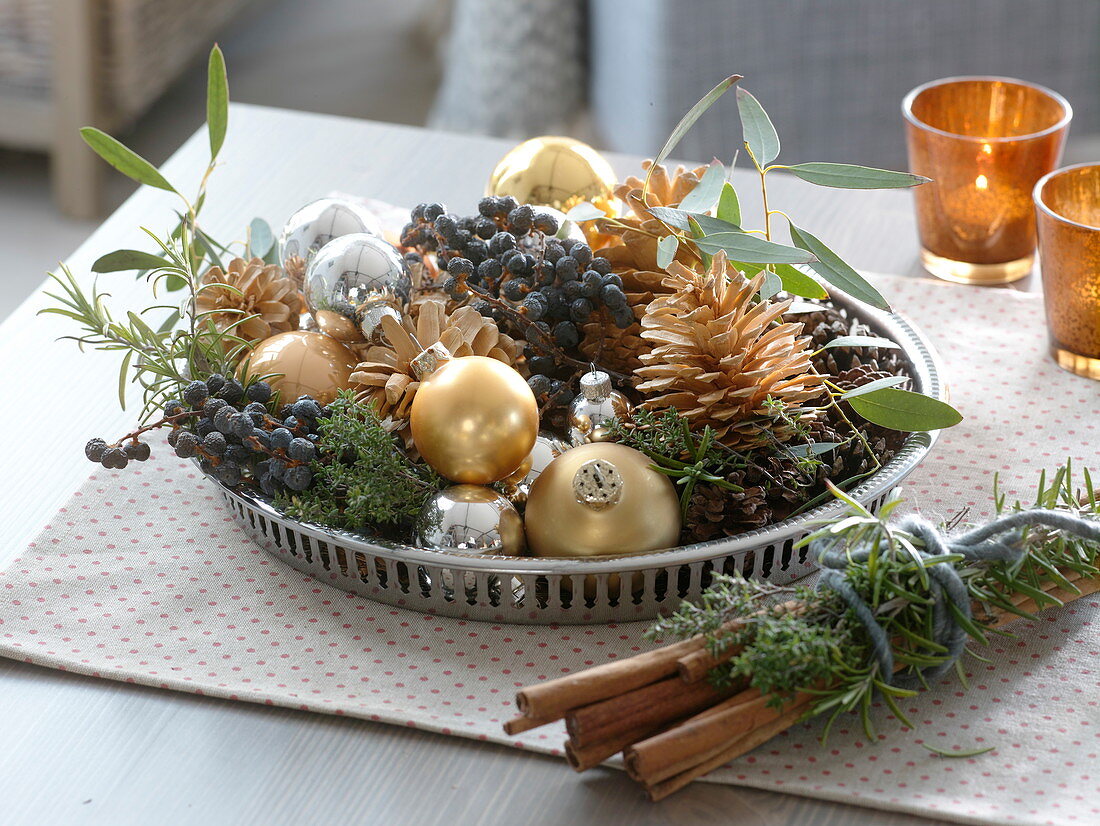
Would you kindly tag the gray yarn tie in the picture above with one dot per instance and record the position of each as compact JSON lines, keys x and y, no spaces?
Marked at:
{"x":999,"y":539}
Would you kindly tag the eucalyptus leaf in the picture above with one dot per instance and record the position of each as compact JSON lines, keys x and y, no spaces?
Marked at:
{"x":771,"y":286}
{"x":680,"y":219}
{"x":686,"y":122}
{"x":207,"y":245}
{"x":799,"y":283}
{"x":740,"y":246}
{"x":835,"y":271}
{"x":760,"y":136}
{"x":850,"y":176}
{"x":862,"y":341}
{"x":812,"y":449}
{"x":666,"y":251}
{"x":705,"y":194}
{"x":729,"y":207}
{"x":904,"y":410}
{"x":174,"y":283}
{"x":217,"y":101}
{"x":697,"y":233}
{"x":260,"y":238}
{"x":122,"y":260}
{"x":872,"y":386}
{"x":585,"y":211}
{"x":125,"y":160}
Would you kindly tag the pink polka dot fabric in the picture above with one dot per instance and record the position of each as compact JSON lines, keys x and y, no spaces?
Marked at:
{"x":144,"y":577}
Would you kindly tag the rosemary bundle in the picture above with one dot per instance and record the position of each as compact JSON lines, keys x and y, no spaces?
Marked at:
{"x":898,"y":604}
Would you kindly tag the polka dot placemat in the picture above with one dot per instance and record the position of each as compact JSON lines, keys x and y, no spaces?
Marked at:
{"x":144,"y":576}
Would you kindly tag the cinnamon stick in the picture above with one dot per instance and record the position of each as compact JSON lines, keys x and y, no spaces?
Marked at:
{"x":677,"y":749}
{"x":581,"y":758}
{"x":552,"y":699}
{"x":647,"y":706}
{"x":518,"y":725}
{"x":743,"y":745}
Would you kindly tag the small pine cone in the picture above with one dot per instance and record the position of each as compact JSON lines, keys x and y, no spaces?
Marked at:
{"x":859,"y":376}
{"x":714,"y":511}
{"x":252,"y":299}
{"x":295,"y":267}
{"x":829,"y":322}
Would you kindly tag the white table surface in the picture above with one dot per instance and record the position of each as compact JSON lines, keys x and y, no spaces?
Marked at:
{"x":80,"y":750}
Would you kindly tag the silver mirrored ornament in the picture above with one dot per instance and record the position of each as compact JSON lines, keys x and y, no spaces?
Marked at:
{"x":547,"y":448}
{"x":470,"y":519}
{"x":352,"y":282}
{"x":596,"y":404}
{"x":321,"y":221}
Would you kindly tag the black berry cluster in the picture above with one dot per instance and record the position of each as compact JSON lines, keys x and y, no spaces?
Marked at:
{"x":234,"y":435}
{"x":509,"y":264}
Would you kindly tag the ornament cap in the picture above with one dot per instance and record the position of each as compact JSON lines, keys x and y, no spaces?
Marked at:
{"x":596,"y":385}
{"x":598,"y":484}
{"x":430,"y":359}
{"x":370,"y":315}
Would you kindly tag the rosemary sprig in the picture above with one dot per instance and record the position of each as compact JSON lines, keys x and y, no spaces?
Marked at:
{"x":822,"y":648}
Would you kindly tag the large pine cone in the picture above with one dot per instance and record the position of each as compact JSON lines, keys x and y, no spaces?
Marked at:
{"x":718,"y":356}
{"x":714,"y":511}
{"x":251,"y":288}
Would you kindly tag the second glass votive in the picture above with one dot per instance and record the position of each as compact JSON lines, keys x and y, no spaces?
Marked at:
{"x":1067,"y":204}
{"x":984,"y":142}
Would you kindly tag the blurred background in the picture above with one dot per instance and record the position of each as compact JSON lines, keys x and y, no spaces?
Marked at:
{"x":616,"y":73}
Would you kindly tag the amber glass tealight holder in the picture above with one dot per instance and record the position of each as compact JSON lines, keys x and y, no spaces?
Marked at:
{"x":1067,"y":206}
{"x":984,"y":142}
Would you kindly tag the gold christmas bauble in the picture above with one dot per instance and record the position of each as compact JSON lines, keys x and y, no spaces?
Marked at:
{"x":474,"y":420}
{"x":601,"y":499}
{"x":552,"y":170}
{"x":310,"y":364}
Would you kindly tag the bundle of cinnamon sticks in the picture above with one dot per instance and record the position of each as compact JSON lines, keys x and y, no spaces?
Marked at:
{"x":670,"y":724}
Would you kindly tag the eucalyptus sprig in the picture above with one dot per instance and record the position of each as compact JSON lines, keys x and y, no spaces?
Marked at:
{"x":815,"y":643}
{"x":710,"y":219}
{"x":183,"y":344}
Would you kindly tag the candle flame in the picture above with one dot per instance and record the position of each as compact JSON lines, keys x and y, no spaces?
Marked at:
{"x":987,"y":149}
{"x":981,"y":182}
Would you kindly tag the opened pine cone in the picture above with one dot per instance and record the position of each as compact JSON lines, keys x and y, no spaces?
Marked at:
{"x":385,"y":376}
{"x":258,"y":298}
{"x":638,"y":234}
{"x":718,"y":355}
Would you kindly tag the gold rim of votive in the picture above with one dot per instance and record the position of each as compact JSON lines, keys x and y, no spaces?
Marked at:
{"x":1040,"y":201}
{"x":907,"y":108}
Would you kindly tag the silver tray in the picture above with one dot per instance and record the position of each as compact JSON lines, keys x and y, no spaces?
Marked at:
{"x":576,"y":591}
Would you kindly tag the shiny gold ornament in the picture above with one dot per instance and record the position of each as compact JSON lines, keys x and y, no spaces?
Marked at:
{"x":551,"y":170}
{"x":601,"y":499}
{"x":385,"y":377}
{"x":517,"y":485}
{"x":310,"y":363}
{"x":473,"y":419}
{"x":593,"y":406}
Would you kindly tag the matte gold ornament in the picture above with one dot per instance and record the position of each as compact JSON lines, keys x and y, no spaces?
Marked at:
{"x":593,"y":406}
{"x":311,"y":364}
{"x":601,"y":499}
{"x":473,"y":419}
{"x":517,"y":486}
{"x":551,"y":170}
{"x":470,"y":519}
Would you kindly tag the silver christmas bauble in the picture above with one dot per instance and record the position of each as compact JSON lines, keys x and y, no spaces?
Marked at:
{"x":352,"y":282}
{"x":547,"y":448}
{"x":470,"y":519}
{"x":319,"y":222}
{"x":596,"y":404}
